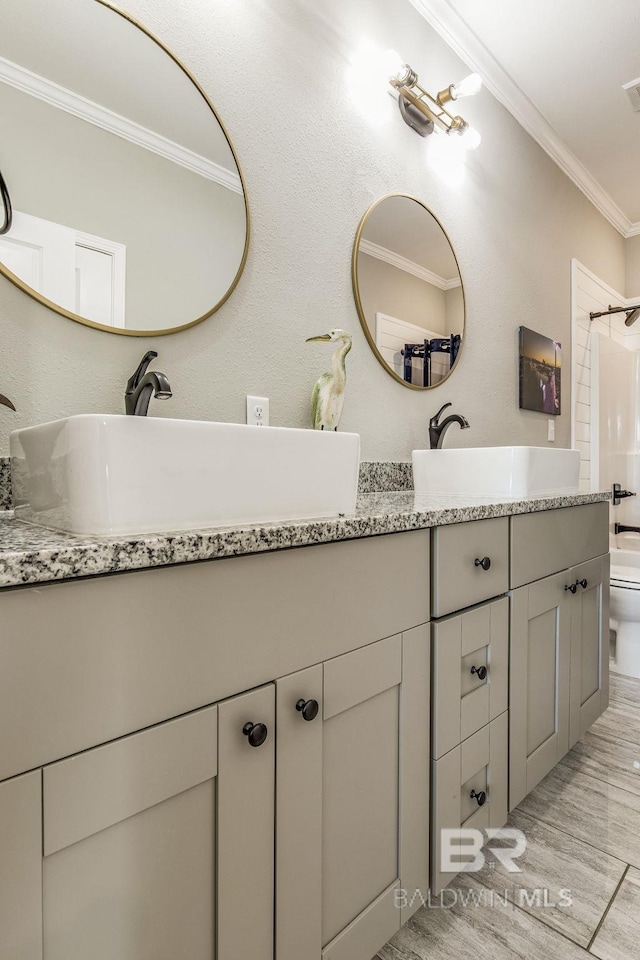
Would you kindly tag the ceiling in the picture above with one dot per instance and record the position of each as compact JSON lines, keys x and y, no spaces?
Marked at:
{"x":559,"y":68}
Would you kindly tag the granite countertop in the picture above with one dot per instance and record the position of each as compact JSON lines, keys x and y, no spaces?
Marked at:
{"x":30,"y":554}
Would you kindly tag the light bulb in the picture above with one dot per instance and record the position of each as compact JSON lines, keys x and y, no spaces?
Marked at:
{"x":446,"y":158}
{"x":374,"y":67}
{"x":467,"y":87}
{"x":369,"y":72}
{"x":470,"y":139}
{"x":392,"y":64}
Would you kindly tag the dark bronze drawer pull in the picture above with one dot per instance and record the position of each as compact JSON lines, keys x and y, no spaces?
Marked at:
{"x":583,"y":583}
{"x":308,"y":709}
{"x":480,"y":672}
{"x":256,"y":733}
{"x":571,"y":587}
{"x":480,"y":797}
{"x":485,"y":563}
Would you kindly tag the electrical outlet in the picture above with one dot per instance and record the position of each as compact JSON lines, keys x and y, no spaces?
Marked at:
{"x":258,"y":411}
{"x":551,"y":430}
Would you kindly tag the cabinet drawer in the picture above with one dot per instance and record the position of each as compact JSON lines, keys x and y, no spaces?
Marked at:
{"x":470,"y":673}
{"x":479,"y":766}
{"x":458,"y":577}
{"x":545,"y":543}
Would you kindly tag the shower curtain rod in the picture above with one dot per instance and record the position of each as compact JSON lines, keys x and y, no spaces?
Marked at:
{"x":605,"y":313}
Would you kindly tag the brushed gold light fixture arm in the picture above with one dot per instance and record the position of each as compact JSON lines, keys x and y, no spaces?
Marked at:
{"x":446,"y":95}
{"x":424,"y":112}
{"x":429,"y":106}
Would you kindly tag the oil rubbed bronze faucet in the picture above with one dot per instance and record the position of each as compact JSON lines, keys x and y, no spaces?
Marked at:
{"x":437,"y":430}
{"x":142,"y":384}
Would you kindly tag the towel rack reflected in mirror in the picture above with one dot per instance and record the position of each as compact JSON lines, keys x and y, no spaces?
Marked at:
{"x":6,"y":213}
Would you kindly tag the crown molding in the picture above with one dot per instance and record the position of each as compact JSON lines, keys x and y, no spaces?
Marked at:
{"x":459,"y":36}
{"x":402,"y":263}
{"x":78,"y":106}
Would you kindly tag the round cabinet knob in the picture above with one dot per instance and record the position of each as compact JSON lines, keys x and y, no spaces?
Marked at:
{"x":485,"y":563}
{"x":256,"y":733}
{"x":583,"y":583}
{"x":308,"y":709}
{"x":480,"y":797}
{"x":572,"y":587}
{"x":480,"y":672}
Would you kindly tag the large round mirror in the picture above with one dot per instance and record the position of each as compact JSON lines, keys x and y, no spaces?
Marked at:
{"x":129,"y":209}
{"x":408,"y":291}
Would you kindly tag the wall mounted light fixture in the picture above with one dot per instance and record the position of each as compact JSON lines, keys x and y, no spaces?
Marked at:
{"x":426,"y":114}
{"x":632,"y":313}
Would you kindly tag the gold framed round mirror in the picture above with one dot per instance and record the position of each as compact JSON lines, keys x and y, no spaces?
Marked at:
{"x":408,"y":291}
{"x":130,"y":212}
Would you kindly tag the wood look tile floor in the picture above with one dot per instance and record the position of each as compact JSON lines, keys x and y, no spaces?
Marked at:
{"x":578,"y":895}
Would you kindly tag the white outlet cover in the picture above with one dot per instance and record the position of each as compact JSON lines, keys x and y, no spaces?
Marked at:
{"x":632,"y":89}
{"x":258,"y":411}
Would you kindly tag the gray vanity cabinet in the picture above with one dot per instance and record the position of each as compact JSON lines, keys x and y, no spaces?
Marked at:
{"x":559,"y":642}
{"x":539,"y":682}
{"x":589,"y":605}
{"x":21,"y":867}
{"x":352,"y":832}
{"x":153,"y":843}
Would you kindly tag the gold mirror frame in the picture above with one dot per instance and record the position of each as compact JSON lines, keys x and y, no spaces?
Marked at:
{"x":184,"y":326}
{"x":356,"y":292}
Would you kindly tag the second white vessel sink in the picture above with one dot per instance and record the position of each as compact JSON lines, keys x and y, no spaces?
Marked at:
{"x":112,"y":475}
{"x":496,"y":471}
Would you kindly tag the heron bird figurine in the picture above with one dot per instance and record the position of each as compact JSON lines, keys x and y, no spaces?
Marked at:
{"x":327,"y":398}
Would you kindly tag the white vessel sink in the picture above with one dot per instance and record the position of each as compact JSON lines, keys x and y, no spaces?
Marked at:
{"x":113,"y":475}
{"x":496,"y":471}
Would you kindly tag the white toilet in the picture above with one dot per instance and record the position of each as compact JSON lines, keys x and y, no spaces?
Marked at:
{"x":625,"y":611}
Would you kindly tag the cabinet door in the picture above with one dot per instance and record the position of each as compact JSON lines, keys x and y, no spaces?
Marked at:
{"x":589,"y":645}
{"x":147,"y":842}
{"x":246,"y":799}
{"x":299,"y":816}
{"x":352,"y":800}
{"x":21,"y":867}
{"x":539,"y":682}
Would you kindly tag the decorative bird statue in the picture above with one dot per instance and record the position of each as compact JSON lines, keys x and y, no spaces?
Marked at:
{"x":327,"y":398}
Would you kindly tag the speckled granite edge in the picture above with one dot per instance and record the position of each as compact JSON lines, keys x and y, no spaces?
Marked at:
{"x":6,"y":496}
{"x":30,"y":554}
{"x":385,"y":476}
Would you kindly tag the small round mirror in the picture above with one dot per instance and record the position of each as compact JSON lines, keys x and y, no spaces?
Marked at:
{"x":408,"y":291}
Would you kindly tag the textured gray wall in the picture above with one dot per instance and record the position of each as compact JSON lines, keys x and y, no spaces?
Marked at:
{"x":632,"y":246}
{"x":313,"y":163}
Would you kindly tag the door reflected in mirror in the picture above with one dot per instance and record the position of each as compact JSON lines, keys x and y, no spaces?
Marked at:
{"x":129,"y":209}
{"x":408,"y":291}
